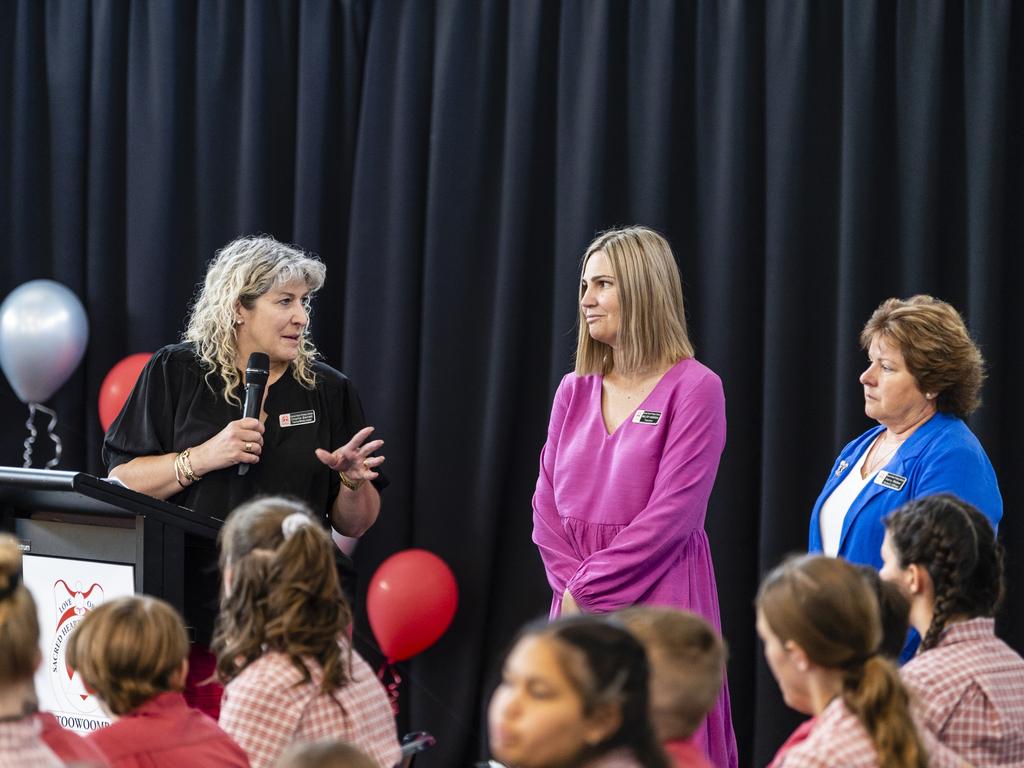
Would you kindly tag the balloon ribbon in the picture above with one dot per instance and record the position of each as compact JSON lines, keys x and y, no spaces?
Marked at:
{"x":389,"y":677}
{"x":57,"y":447}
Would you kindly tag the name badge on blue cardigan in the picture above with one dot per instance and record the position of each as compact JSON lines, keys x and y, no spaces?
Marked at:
{"x":890,"y":481}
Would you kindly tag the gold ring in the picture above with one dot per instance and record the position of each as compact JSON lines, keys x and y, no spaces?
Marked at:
{"x":248,"y":447}
{"x":367,"y":467}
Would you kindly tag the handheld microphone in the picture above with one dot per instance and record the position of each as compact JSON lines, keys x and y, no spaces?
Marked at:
{"x":257,"y":371}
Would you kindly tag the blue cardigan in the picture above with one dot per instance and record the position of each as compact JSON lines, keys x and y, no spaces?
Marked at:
{"x":941,"y":456}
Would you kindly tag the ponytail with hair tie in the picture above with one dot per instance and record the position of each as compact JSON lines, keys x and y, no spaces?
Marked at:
{"x":291,"y":524}
{"x":285,"y":594}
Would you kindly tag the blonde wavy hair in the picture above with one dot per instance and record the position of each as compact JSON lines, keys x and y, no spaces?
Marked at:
{"x":652,"y":319}
{"x":241,"y":272}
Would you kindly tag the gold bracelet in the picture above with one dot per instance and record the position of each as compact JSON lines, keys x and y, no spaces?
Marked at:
{"x":350,"y":484}
{"x":186,"y":466}
{"x":177,"y":471}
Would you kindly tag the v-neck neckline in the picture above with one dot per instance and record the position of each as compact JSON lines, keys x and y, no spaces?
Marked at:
{"x":640,"y":405}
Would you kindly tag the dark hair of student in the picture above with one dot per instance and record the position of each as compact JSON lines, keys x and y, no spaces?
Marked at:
{"x":605,"y":664}
{"x":956,"y":544}
{"x":894,"y":611}
{"x":825,"y":606}
{"x":284,"y":593}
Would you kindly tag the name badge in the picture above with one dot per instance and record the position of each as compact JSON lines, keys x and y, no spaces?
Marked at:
{"x":296,"y":419}
{"x":890,"y":481}
{"x":646,"y":417}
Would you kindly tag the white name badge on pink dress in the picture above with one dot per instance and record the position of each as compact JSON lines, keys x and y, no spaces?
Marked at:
{"x":646,"y":417}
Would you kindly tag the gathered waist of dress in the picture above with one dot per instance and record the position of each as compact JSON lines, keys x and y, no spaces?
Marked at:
{"x":589,"y":537}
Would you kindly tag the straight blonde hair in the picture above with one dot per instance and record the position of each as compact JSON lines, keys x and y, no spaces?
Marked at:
{"x":652,"y":318}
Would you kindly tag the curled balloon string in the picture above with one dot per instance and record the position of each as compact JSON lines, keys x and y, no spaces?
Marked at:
{"x":32,"y":433}
{"x":391,"y":680}
{"x":414,"y":682}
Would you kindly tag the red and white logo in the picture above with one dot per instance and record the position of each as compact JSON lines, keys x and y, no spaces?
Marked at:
{"x":65,"y":590}
{"x":70,"y":605}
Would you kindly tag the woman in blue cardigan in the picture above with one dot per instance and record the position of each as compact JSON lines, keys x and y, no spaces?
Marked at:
{"x":923,"y":380}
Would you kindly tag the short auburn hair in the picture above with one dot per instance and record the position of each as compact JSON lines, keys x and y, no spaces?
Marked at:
{"x":937,"y":348}
{"x":128,"y":650}
{"x":687,"y":661}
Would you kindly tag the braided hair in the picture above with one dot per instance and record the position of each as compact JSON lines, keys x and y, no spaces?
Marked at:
{"x":956,"y":544}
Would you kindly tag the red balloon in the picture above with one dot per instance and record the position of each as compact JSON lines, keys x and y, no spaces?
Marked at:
{"x":411,"y":602}
{"x":117,"y":385}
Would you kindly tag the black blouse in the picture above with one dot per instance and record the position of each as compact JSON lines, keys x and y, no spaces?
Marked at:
{"x":172,"y":407}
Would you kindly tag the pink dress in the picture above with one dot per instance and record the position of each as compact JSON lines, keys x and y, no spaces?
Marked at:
{"x":619,"y":518}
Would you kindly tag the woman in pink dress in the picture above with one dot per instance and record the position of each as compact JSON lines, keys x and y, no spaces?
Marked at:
{"x":633,"y":446}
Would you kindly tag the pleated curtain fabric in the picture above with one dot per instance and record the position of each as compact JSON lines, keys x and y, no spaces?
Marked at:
{"x":450,"y":161}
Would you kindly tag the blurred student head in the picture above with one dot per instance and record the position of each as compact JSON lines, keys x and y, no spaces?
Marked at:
{"x":572,"y":691}
{"x":687,"y":658}
{"x":821,"y":627}
{"x":19,"y":626}
{"x":129,"y":650}
{"x":324,"y":754}
{"x":894,"y":612}
{"x":943,"y":553}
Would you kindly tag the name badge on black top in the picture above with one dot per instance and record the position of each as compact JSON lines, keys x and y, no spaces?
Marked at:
{"x":891,"y":481}
{"x":646,"y":417}
{"x":296,"y":419}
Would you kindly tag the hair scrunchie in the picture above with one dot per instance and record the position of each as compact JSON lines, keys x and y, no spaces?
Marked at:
{"x":12,"y":585}
{"x":293,"y":522}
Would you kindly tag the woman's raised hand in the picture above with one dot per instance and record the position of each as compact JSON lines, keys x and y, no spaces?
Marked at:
{"x":353,"y":458}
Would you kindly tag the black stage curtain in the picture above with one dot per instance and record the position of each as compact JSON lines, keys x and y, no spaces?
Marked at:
{"x":450,"y":161}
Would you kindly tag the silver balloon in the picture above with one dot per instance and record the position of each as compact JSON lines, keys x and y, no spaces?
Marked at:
{"x":43,"y":333}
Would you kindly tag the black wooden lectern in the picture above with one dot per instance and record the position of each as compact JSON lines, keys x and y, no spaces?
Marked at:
{"x":72,"y":514}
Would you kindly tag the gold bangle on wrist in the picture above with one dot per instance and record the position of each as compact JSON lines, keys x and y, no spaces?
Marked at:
{"x":185,"y":464}
{"x":177,"y":471}
{"x":352,"y":485}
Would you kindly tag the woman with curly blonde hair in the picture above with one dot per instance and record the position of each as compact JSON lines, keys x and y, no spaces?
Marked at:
{"x":181,"y":435}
